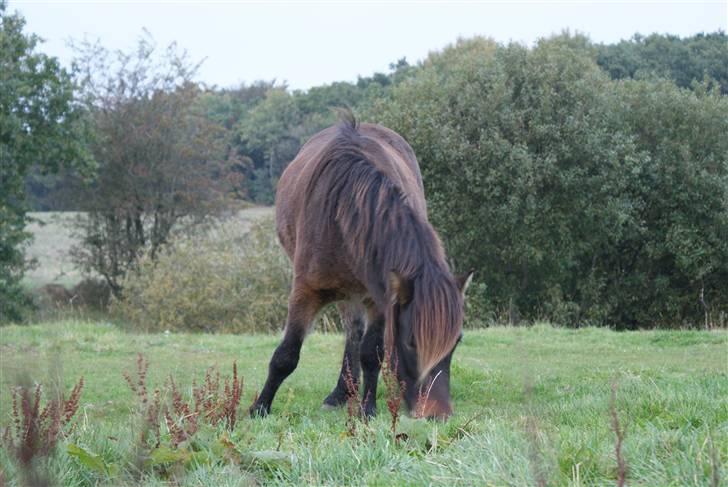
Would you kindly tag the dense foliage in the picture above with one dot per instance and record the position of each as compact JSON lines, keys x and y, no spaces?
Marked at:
{"x":262,"y":125}
{"x":39,"y":127}
{"x":685,"y":61}
{"x":579,"y":199}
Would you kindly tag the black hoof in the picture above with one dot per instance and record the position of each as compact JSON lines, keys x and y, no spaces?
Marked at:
{"x":333,"y":401}
{"x":259,"y":411}
{"x":370,"y":411}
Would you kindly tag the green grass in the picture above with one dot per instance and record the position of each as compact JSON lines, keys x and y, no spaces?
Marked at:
{"x":671,"y":395}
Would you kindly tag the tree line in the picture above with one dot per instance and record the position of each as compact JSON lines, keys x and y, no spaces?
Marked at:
{"x":586,"y":182}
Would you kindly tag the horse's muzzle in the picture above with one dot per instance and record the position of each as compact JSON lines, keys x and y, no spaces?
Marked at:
{"x":432,"y":409}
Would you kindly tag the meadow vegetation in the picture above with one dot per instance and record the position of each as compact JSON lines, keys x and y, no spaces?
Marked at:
{"x":533,"y":407}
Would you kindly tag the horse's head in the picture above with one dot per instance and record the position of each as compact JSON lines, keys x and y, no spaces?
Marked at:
{"x":426,"y":326}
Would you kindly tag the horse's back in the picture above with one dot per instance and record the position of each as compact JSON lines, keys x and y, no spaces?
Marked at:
{"x":290,"y":193}
{"x":399,"y":165}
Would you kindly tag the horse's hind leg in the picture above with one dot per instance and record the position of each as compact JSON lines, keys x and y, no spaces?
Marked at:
{"x":352,"y":315}
{"x":303,"y":304}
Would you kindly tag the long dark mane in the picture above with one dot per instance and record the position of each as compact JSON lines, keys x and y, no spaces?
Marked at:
{"x":381,"y":232}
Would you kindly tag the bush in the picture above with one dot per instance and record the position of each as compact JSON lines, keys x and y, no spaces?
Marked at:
{"x":227,"y":279}
{"x":576,"y":198}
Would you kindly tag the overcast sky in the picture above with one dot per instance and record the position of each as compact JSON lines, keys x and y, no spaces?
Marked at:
{"x":311,"y":43}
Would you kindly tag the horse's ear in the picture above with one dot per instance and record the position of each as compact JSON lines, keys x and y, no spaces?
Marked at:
{"x":400,"y":288}
{"x":464,"y":280}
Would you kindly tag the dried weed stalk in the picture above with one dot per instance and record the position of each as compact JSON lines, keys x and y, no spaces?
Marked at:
{"x":35,"y":430}
{"x":619,"y":431}
{"x":394,"y":389}
{"x":353,"y":402}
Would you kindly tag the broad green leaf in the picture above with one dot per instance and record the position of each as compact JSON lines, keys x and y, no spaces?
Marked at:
{"x":90,"y":460}
{"x":163,"y":455}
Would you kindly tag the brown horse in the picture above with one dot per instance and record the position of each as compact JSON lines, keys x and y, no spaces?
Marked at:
{"x":351,"y":214}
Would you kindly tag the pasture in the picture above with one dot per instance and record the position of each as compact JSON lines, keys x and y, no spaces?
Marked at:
{"x":532,"y":407}
{"x":54,"y":236}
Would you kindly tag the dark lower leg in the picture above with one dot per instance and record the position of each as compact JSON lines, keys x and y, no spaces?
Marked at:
{"x":350,"y":367}
{"x":283,"y":362}
{"x":372,"y":354}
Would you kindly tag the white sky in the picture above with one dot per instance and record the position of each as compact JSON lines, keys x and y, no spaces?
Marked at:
{"x":311,"y":43}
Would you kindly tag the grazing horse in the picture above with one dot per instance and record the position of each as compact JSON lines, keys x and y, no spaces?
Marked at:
{"x":351,"y":215}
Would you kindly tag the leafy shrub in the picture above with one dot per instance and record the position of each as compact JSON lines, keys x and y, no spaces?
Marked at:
{"x":576,"y":198}
{"x":226,"y":279}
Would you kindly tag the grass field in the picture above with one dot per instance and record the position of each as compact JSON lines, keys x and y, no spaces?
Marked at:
{"x":52,"y":240}
{"x":53,"y":237}
{"x":532,"y":408}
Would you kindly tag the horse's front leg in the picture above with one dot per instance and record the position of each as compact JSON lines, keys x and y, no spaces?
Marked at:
{"x":371,"y":356}
{"x":353,"y":316}
{"x":303,"y":304}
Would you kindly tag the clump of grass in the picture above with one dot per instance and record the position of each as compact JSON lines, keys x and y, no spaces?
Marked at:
{"x":218,"y":406}
{"x":536,"y":460}
{"x":208,"y":402}
{"x":214,"y":402}
{"x":714,"y":464}
{"x":423,"y":395}
{"x":35,"y":430}
{"x":185,"y":424}
{"x":535,"y":453}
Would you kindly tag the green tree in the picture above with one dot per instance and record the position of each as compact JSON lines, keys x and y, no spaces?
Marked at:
{"x":683,"y":60}
{"x":270,"y":135}
{"x":579,"y":199}
{"x":161,"y":162}
{"x":226,"y":108}
{"x":41,"y":127}
{"x":671,"y":264}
